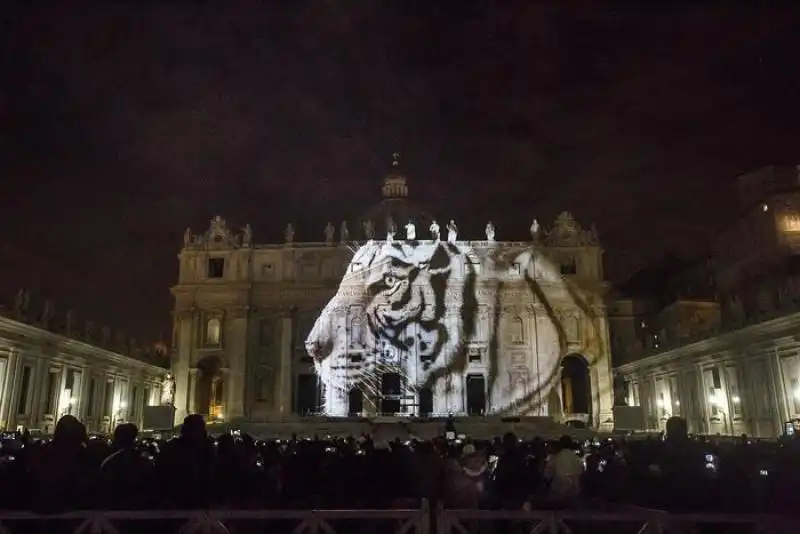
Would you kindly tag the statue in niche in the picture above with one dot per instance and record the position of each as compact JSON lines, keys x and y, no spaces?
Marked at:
{"x":369,"y":229}
{"x":105,"y":335}
{"x":535,"y":229}
{"x":434,"y":231}
{"x":70,"y":322}
{"x":344,"y":233}
{"x":247,"y":235}
{"x":289,"y":233}
{"x":452,"y":231}
{"x":391,"y":229}
{"x":489,"y":231}
{"x":187,"y":237}
{"x":22,"y":303}
{"x":48,"y":312}
{"x":88,"y":330}
{"x":411,"y":231}
{"x":329,"y":232}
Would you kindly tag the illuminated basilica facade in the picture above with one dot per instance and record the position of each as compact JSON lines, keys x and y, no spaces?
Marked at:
{"x":244,"y":312}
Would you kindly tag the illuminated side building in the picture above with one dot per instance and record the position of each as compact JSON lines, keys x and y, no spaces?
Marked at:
{"x":384,"y":315}
{"x":717,"y":341}
{"x":51,"y":366}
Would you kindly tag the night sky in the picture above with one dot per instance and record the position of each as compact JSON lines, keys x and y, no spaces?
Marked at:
{"x":120,"y":126}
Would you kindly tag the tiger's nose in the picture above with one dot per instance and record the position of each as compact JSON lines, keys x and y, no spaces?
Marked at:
{"x":318,"y":350}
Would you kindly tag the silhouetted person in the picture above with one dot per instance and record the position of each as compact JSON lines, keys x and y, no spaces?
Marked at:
{"x":126,"y":474}
{"x":511,"y":484}
{"x":564,"y":471}
{"x":61,"y":470}
{"x":185,"y":467}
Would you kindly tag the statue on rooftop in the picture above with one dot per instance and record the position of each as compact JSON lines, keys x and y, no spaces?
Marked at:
{"x":344,"y":233}
{"x":411,"y":231}
{"x":434,"y":231}
{"x":48,"y":312}
{"x":489,"y":231}
{"x":329,"y":232}
{"x":452,"y":231}
{"x":247,"y":235}
{"x":369,"y":229}
{"x":187,"y":237}
{"x":535,"y":229}
{"x":289,"y":233}
{"x":391,"y":230}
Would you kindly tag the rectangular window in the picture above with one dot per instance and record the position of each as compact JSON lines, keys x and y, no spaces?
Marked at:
{"x":51,"y":404}
{"x":24,"y":390}
{"x":108,"y":400}
{"x":713,"y":401}
{"x":475,"y":356}
{"x":146,"y":395}
{"x":216,"y":267}
{"x":92,"y":393}
{"x":715,"y":378}
{"x":569,"y":266}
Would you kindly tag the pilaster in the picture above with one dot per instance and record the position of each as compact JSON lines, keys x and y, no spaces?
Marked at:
{"x":11,"y":385}
{"x":284,"y":391}
{"x":191,"y":376}
{"x":183,"y":399}
{"x":236,"y":353}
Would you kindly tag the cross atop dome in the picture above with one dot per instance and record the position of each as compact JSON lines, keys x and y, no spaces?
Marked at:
{"x":394,"y":183}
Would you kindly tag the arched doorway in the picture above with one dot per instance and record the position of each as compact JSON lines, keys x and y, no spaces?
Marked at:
{"x":210,"y":389}
{"x":576,"y":386}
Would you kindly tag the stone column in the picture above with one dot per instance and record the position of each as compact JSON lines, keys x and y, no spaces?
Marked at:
{"x":38,"y":392}
{"x":283,"y":392}
{"x":191,"y":376}
{"x":601,"y":379}
{"x":229,"y":394}
{"x":186,"y":339}
{"x":12,"y":381}
{"x":236,"y":345}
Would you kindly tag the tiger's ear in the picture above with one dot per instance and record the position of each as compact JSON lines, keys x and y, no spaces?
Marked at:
{"x":440,"y":261}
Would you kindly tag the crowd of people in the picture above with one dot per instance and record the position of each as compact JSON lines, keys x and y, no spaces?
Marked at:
{"x":72,"y":471}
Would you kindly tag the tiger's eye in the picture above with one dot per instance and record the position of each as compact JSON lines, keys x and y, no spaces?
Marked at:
{"x":389,"y":279}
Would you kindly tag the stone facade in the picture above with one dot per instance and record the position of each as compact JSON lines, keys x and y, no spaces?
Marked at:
{"x":45,"y":375}
{"x":746,"y":381}
{"x":716,"y":341}
{"x":243,"y":312}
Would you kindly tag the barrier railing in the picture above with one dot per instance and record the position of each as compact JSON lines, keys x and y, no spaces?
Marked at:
{"x":414,"y":521}
{"x":639,"y":521}
{"x":407,"y":521}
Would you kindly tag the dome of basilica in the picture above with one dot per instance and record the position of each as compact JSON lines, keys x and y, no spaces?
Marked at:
{"x":394,"y":207}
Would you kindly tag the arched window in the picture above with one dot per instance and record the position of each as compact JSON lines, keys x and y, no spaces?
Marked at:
{"x":213,"y":331}
{"x":356,"y":328}
{"x":516,"y":330}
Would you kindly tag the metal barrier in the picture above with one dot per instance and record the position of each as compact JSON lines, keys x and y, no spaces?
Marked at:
{"x":409,"y":521}
{"x":416,"y":521}
{"x":646,"y":521}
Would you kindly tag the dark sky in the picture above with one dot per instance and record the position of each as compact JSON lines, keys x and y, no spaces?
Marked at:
{"x":122,"y":125}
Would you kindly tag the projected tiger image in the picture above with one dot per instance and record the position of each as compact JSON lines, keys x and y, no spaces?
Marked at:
{"x":432,"y":327}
